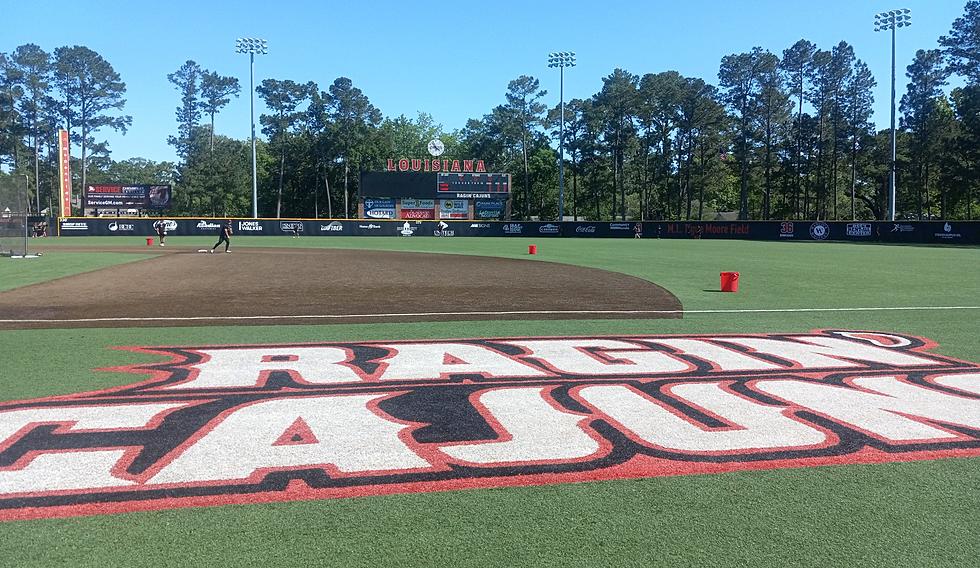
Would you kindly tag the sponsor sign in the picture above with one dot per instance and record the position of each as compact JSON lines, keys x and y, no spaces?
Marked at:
{"x":859,"y":230}
{"x":418,"y":208}
{"x":243,"y":424}
{"x":379,"y":208}
{"x":407,"y":229}
{"x":620,"y":226}
{"x":249,"y":226}
{"x":116,"y":226}
{"x":368,"y":226}
{"x":208,"y":225}
{"x":128,"y":196}
{"x":332,"y":227}
{"x":819,"y":231}
{"x":709,"y":230}
{"x":513,"y":229}
{"x":488,"y":209}
{"x":442,"y":230}
{"x":418,"y":214}
{"x":64,"y":169}
{"x":947,"y":233}
{"x":454,"y":209}
{"x":169,"y":225}
{"x":786,"y":230}
{"x":902,"y":228}
{"x":409,"y":203}
{"x":74,"y":226}
{"x":549,"y":229}
{"x":291,"y":226}
{"x":586,"y":229}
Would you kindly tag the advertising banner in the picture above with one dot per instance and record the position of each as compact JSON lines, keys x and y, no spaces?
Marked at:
{"x":529,"y":229}
{"x":409,"y":203}
{"x":488,"y":208}
{"x":418,"y":208}
{"x":128,"y":196}
{"x":453,"y":209}
{"x":925,"y":232}
{"x":418,"y":214}
{"x":951,"y":232}
{"x":64,"y":169}
{"x":379,"y":207}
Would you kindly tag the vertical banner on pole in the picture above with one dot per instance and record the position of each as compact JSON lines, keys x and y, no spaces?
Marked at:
{"x":64,"y":154}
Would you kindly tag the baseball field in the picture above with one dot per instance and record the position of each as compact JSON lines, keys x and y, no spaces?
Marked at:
{"x":448,"y":401}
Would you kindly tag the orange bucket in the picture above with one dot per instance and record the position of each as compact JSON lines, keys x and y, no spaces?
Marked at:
{"x":149,"y":241}
{"x":729,"y":281}
{"x":532,"y":249}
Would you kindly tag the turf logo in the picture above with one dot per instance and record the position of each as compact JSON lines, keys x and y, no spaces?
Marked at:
{"x":257,"y":423}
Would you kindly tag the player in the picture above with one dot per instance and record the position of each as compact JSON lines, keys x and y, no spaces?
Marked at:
{"x":638,"y":231}
{"x":224,"y":236}
{"x":161,"y":228}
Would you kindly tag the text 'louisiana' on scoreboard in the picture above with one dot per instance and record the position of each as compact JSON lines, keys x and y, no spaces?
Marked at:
{"x":473,"y":186}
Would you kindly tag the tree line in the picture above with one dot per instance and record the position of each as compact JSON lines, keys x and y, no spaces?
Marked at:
{"x":783,"y":135}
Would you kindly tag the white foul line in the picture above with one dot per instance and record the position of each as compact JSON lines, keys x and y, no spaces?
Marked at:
{"x":493,"y":313}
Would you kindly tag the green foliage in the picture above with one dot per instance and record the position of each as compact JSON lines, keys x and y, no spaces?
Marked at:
{"x":962,"y":46}
{"x":91,"y":93}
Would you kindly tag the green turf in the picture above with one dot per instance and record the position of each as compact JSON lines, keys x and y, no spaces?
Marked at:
{"x":15,"y":273}
{"x":889,"y":515}
{"x":902,"y":514}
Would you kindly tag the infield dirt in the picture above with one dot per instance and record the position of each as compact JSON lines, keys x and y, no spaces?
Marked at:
{"x":299,"y":283}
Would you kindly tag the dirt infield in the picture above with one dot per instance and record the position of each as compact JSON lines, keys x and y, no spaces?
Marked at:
{"x":281,"y":286}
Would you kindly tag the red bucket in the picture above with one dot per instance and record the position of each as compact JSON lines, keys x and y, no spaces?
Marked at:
{"x":149,"y":241}
{"x":532,"y":249}
{"x":729,"y":281}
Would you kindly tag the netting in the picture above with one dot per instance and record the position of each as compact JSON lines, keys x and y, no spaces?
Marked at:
{"x":13,"y":216}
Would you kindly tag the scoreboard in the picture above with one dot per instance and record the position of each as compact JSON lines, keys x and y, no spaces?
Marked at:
{"x":473,"y":186}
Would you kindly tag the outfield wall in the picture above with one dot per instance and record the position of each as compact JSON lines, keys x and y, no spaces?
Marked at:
{"x":928,"y":232}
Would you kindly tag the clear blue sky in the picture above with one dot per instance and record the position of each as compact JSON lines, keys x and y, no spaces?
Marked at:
{"x":452,"y":60}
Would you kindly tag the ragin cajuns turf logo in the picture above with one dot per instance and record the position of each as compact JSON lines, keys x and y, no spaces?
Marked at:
{"x":269,"y":423}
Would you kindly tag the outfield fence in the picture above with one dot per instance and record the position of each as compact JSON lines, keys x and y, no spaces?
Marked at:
{"x":927,"y":232}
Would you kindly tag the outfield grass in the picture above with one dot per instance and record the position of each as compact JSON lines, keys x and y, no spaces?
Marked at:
{"x":899,"y":514}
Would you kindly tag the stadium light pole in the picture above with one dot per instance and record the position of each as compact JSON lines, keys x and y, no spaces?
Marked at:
{"x":561,"y":60}
{"x":890,"y":21}
{"x":251,"y":46}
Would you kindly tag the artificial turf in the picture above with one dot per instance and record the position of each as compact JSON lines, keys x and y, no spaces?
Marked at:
{"x":898,"y":514}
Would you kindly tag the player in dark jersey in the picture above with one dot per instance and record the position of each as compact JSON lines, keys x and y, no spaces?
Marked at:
{"x":224,"y":236}
{"x":161,"y":228}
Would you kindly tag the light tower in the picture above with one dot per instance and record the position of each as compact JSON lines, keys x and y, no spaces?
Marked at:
{"x":561,"y":60}
{"x":885,"y":21}
{"x":251,"y":46}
